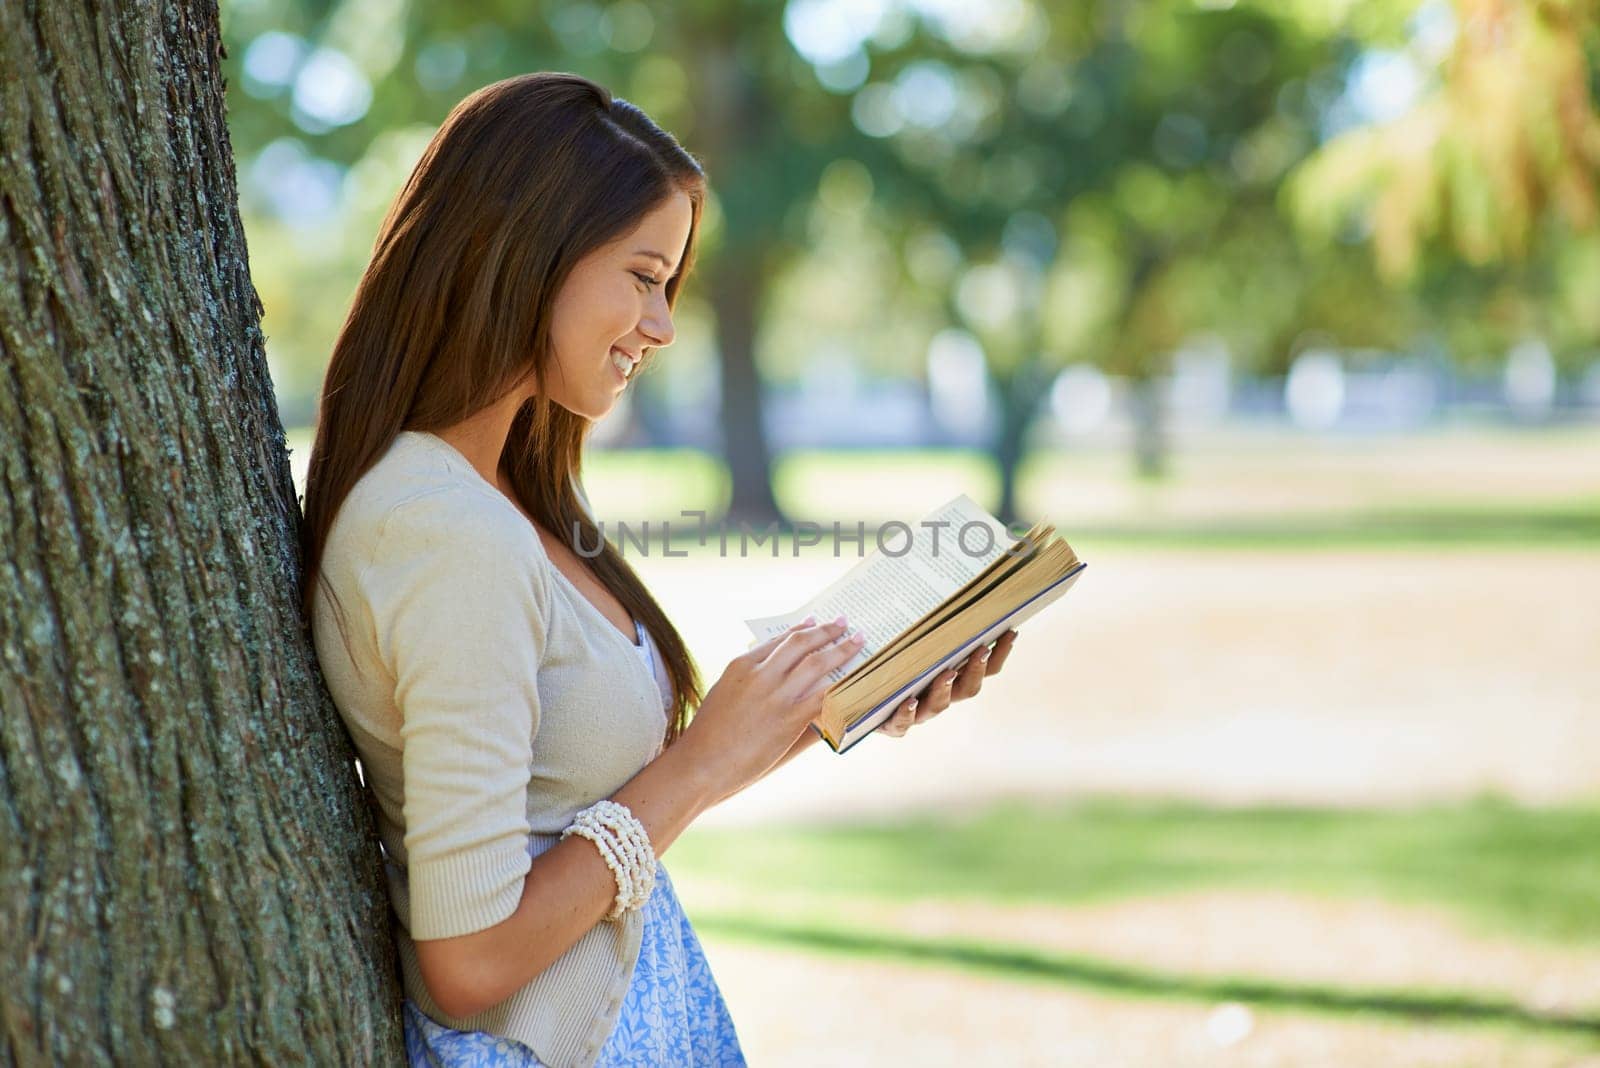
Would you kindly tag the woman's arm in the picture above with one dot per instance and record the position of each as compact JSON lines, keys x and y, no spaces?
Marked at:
{"x":567,"y":890}
{"x":570,"y":888}
{"x":801,"y":744}
{"x":760,"y":706}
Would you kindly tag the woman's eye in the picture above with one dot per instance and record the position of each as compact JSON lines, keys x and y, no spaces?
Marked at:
{"x":646,"y":279}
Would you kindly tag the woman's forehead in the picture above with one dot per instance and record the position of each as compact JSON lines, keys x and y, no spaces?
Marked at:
{"x":662,"y":232}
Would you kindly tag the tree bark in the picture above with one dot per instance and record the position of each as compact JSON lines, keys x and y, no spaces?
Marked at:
{"x":1149,"y":426}
{"x":729,"y":113}
{"x":1021,"y":393}
{"x":1142,"y":366}
{"x":736,"y":293}
{"x":188,"y":874}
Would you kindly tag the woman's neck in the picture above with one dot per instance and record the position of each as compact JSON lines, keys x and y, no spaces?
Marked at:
{"x":481,"y":437}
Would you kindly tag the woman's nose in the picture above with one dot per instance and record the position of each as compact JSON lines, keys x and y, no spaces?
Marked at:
{"x":657,"y":322}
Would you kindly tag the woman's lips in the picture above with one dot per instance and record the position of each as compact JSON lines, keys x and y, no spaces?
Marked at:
{"x":619,"y":360}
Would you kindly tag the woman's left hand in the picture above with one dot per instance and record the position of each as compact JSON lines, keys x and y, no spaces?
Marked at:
{"x":953,"y":684}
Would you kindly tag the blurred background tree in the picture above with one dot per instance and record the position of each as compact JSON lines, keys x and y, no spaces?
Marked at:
{"x":1480,"y":196}
{"x":973,"y":199}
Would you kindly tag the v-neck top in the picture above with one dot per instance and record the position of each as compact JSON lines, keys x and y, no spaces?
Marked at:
{"x":652,"y":657}
{"x":643,"y":645}
{"x":490,"y":701}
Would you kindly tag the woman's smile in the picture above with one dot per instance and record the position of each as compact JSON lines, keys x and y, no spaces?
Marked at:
{"x":622,"y":364}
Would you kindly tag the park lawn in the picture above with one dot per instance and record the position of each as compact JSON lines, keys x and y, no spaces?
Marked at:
{"x":1503,"y":869}
{"x":1527,"y":872}
{"x":1244,"y":500}
{"x":1097,"y":506}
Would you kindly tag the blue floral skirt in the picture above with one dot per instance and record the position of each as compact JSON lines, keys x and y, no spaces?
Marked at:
{"x":673,"y":1013}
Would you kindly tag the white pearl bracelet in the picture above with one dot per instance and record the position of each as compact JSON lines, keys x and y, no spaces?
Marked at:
{"x":625,"y":846}
{"x":604,"y":844}
{"x":633,"y":846}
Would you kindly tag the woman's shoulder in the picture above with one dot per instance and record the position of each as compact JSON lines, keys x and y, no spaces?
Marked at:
{"x":421,"y":495}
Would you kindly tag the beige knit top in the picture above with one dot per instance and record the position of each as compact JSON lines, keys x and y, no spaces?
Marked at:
{"x":490,"y":701}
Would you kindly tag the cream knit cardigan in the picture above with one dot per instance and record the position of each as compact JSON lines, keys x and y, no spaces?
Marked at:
{"x":490,"y":701}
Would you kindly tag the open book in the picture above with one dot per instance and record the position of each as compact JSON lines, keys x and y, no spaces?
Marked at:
{"x":960,"y":582}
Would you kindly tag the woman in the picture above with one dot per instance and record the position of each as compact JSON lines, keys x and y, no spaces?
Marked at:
{"x":521,"y":713}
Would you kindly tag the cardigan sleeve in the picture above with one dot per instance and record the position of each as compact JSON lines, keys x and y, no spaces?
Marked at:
{"x":459,"y":611}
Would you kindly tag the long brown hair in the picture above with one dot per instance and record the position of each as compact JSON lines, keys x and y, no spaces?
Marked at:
{"x":524,"y":178}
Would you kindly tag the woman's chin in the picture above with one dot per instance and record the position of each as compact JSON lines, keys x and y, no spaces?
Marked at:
{"x":592,"y":409}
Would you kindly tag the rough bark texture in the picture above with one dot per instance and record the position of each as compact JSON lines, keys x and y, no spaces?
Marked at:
{"x":187,"y":872}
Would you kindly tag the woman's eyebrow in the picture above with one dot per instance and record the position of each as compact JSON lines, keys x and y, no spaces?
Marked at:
{"x":653,"y":253}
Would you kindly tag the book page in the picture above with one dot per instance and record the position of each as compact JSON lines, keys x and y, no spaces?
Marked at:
{"x":764,"y":627}
{"x":885,"y":594}
{"x":988,"y":578}
{"x":1048,"y":564}
{"x":851,"y":718}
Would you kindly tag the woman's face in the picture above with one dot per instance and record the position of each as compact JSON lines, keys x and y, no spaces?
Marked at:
{"x":612,"y":307}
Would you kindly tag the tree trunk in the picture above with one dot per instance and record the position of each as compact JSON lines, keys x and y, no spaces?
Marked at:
{"x":188,"y":874}
{"x":1021,"y":395}
{"x":1142,"y":367}
{"x":729,"y":114}
{"x":1008,"y":458}
{"x":1149,"y":427}
{"x":736,"y":294}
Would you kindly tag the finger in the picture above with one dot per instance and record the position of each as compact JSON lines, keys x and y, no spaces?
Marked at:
{"x":937,"y":696}
{"x":759,"y":651}
{"x":797,"y":644}
{"x":1002,"y":649}
{"x":904,"y":718}
{"x":970,"y":679}
{"x":923,"y":715}
{"x":810,"y":676}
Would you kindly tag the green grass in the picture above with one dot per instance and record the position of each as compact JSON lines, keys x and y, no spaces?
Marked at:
{"x":875,"y":485}
{"x":1533,"y":873}
{"x":1576,"y":529}
{"x":1507,"y":524}
{"x":1529,"y":873}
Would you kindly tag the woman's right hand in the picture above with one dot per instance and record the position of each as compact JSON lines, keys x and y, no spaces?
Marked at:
{"x":764,"y":700}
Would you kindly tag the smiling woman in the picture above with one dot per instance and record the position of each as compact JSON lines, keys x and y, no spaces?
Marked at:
{"x":504,"y":695}
{"x":521,"y":712}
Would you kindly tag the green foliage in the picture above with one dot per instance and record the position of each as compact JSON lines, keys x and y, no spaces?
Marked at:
{"x":1508,"y":133}
{"x":1484,"y":197}
{"x":1068,"y":182}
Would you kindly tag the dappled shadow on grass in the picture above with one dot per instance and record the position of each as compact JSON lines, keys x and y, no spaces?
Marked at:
{"x":1083,"y":971}
{"x":1526,"y":872}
